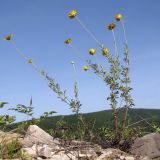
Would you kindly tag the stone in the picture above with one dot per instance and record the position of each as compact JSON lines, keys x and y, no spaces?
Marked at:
{"x":39,"y":151}
{"x":36,"y":135}
{"x":110,"y":153}
{"x":37,"y":144}
{"x":45,"y":151}
{"x":89,"y":152}
{"x":116,"y":154}
{"x":64,"y":156}
{"x":148,"y":145}
{"x":129,"y":158}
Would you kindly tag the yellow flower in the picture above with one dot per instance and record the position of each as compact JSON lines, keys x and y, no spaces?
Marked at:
{"x":118,"y":17}
{"x":111,"y":26}
{"x":8,"y":37}
{"x":30,"y":60}
{"x":92,"y":51}
{"x":68,"y":41}
{"x":72,"y":14}
{"x":85,"y":68}
{"x":105,"y":51}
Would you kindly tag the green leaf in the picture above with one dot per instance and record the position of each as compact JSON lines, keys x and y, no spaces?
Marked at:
{"x":2,"y":104}
{"x":30,"y":102}
{"x":52,"y":112}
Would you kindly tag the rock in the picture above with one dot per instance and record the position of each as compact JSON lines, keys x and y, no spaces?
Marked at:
{"x":62,"y":155}
{"x":116,"y":154}
{"x":45,"y":151}
{"x":110,"y":153}
{"x":36,"y":135}
{"x":40,"y":145}
{"x":31,"y":152}
{"x":89,"y":152}
{"x":149,"y":145}
{"x":39,"y":151}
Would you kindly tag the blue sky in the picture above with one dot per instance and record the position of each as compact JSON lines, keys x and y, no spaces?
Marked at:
{"x":40,"y":27}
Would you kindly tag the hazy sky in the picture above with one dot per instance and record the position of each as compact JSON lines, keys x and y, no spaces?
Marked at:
{"x":40,"y":28}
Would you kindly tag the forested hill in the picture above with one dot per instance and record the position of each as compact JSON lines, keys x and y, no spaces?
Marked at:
{"x":105,"y":117}
{"x":136,"y":117}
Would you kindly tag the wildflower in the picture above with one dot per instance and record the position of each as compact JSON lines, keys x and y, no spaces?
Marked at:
{"x":72,"y":14}
{"x":30,"y":60}
{"x":92,"y":51}
{"x":68,"y":41}
{"x":105,"y":51}
{"x":118,"y":17}
{"x":111,"y":26}
{"x":8,"y":37}
{"x":85,"y":68}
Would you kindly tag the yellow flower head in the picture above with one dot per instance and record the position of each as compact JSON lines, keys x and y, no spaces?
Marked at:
{"x":85,"y":68}
{"x":105,"y":51}
{"x":30,"y":60}
{"x":111,"y":26}
{"x":92,"y":51}
{"x":118,"y":17}
{"x":68,"y":41}
{"x":72,"y":14}
{"x":8,"y":37}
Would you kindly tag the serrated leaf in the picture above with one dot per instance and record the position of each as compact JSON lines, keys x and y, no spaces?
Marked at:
{"x":2,"y":104}
{"x":30,"y":103}
{"x":51,"y":112}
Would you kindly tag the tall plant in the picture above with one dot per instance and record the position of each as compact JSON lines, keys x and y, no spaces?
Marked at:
{"x":117,"y":78}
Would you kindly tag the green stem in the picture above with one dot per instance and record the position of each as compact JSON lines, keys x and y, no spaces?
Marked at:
{"x":124,"y":31}
{"x":33,"y":65}
{"x":87,"y":30}
{"x":115,"y":117}
{"x":23,"y":56}
{"x":76,"y":51}
{"x":115,"y":44}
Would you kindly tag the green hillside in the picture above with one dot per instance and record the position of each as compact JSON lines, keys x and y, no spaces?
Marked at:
{"x":103,"y":117}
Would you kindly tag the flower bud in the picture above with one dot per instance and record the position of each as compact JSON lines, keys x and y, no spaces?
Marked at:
{"x":8,"y":37}
{"x":118,"y":17}
{"x":92,"y":51}
{"x":105,"y":51}
{"x":85,"y":68}
{"x":68,"y":41}
{"x":72,"y":14}
{"x":111,"y":26}
{"x":30,"y":60}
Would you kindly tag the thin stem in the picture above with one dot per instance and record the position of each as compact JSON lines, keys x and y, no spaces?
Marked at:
{"x":115,"y":44}
{"x":74,"y":68}
{"x":33,"y":65}
{"x":137,"y":122}
{"x":17,"y":50}
{"x":124,"y":31}
{"x":88,"y":31}
{"x":23,"y":56}
{"x":145,"y":121}
{"x":79,"y":54}
{"x":115,"y":118}
{"x":126,"y":74}
{"x":126,"y":83}
{"x":76,"y":51}
{"x":75,"y":72}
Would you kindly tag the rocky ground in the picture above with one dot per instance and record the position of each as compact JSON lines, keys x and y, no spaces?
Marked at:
{"x":37,"y":144}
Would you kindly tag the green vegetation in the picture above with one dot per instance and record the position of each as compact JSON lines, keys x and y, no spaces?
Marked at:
{"x":11,"y":150}
{"x":137,"y":117}
{"x":104,"y":117}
